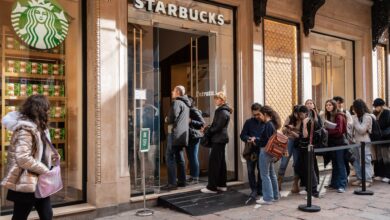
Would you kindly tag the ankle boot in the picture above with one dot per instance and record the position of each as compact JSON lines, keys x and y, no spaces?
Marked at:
{"x":280,"y":180}
{"x":295,"y":187}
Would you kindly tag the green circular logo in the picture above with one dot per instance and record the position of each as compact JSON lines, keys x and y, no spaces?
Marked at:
{"x":39,"y":23}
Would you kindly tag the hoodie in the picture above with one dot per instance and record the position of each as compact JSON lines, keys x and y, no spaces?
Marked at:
{"x":24,"y":154}
{"x":179,"y":118}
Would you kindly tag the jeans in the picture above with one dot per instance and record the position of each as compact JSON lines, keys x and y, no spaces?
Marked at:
{"x":217,"y":167}
{"x":339,"y":172}
{"x":23,"y":209}
{"x":192,"y":154}
{"x":175,"y":160}
{"x":268,"y":177}
{"x":357,"y":163}
{"x":255,"y":186}
{"x":292,"y":151}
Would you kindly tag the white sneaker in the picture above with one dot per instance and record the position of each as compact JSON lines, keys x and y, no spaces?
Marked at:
{"x":341,"y":190}
{"x":378,"y":178}
{"x":385,"y":180}
{"x":262,"y":202}
{"x":302,"y":192}
{"x":205,"y":190}
{"x":222,"y":189}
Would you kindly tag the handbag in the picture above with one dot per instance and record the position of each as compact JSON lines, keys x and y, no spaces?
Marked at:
{"x":50,"y":182}
{"x":249,"y":153}
{"x":277,"y":145}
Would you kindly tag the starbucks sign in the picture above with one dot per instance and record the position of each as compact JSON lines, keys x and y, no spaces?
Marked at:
{"x":39,"y":23}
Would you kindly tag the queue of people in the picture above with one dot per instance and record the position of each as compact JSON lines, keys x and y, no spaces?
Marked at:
{"x":335,"y":126}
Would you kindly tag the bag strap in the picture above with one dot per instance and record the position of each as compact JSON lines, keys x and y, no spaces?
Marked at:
{"x":53,"y":149}
{"x":311,"y":132}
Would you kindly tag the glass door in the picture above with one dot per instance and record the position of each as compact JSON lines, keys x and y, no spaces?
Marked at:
{"x":328,"y":77}
{"x":143,"y":105}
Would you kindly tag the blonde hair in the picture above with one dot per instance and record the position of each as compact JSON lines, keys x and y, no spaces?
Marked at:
{"x":220,"y":95}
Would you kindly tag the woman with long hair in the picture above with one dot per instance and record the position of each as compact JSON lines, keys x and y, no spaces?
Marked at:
{"x":336,"y":124}
{"x":292,"y":129}
{"x":362,"y":127}
{"x":218,"y":136}
{"x":270,"y":189}
{"x":313,"y":112}
{"x":309,"y":126}
{"x":28,"y":157}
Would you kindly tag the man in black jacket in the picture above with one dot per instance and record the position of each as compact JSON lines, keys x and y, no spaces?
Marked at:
{"x":178,"y":121}
{"x":250,"y":134}
{"x":382,"y":160}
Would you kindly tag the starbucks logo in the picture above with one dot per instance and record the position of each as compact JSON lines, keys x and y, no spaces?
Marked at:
{"x":39,"y":23}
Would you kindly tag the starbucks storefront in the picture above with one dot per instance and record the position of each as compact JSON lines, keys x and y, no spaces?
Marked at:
{"x":174,"y":43}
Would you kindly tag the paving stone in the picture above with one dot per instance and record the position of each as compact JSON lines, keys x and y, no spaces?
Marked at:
{"x":373,"y":216}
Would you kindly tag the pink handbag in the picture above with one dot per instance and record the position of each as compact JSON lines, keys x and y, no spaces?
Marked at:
{"x":50,"y":182}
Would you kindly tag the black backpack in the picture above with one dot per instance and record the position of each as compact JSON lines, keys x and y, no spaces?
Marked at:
{"x":376,"y":133}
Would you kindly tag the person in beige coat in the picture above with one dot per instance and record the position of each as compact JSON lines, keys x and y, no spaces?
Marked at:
{"x":29,"y":156}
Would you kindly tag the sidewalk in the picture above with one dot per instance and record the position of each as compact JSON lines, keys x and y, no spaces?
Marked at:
{"x":333,"y":206}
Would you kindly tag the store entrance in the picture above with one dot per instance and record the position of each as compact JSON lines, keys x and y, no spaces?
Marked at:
{"x":161,"y":58}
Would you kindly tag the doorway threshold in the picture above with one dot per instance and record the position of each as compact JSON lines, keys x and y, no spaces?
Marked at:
{"x":180,"y":190}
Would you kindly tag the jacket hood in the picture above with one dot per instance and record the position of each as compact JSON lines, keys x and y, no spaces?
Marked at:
{"x":225,"y":107}
{"x":184,"y":99}
{"x":13,"y":120}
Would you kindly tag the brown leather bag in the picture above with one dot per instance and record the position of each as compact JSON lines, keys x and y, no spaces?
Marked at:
{"x":277,"y":145}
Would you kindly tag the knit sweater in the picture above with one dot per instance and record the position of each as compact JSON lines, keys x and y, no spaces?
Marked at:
{"x":362,"y":128}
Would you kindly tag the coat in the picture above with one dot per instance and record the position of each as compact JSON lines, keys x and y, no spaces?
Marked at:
{"x":179,"y":118}
{"x":196,"y":124}
{"x":24,"y":155}
{"x":217,"y":133}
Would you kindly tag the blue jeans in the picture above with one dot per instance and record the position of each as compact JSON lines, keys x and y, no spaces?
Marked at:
{"x":255,"y":186}
{"x":192,"y":154}
{"x":292,"y":151}
{"x":339,"y":171}
{"x":357,"y":163}
{"x":175,"y":160}
{"x":268,"y":177}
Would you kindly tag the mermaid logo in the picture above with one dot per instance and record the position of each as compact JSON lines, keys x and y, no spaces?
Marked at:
{"x":39,"y":23}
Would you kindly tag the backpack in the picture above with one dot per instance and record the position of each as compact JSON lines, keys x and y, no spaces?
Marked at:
{"x":277,"y":145}
{"x":376,"y":133}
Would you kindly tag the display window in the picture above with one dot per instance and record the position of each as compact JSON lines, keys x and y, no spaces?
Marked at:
{"x":41,"y":53}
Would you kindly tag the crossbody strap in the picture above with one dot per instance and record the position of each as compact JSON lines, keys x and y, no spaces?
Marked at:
{"x":53,"y":149}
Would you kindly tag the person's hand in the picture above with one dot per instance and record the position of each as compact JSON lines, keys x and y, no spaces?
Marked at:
{"x":56,"y":157}
{"x":306,"y":120}
{"x":251,"y":140}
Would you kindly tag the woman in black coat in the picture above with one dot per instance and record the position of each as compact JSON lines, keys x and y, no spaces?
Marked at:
{"x":218,"y":136}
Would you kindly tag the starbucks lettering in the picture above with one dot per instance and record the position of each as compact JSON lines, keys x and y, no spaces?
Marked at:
{"x":180,"y":12}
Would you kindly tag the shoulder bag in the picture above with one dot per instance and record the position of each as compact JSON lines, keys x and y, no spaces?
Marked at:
{"x":50,"y":182}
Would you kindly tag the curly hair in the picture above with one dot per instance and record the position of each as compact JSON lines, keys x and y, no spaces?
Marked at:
{"x":275,"y":118}
{"x":36,"y":108}
{"x":360,"y":107}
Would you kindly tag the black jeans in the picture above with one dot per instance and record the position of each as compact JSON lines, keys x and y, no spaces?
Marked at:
{"x":255,"y":184}
{"x":23,"y":209}
{"x":217,"y":167}
{"x":301,"y":170}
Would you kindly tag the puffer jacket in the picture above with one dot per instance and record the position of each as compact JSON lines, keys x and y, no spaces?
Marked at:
{"x":24,"y":154}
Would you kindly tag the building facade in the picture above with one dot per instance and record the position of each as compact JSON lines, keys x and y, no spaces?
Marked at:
{"x":120,"y":60}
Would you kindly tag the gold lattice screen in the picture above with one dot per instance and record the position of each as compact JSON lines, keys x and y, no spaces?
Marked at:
{"x":281,"y":71}
{"x":380,"y":51}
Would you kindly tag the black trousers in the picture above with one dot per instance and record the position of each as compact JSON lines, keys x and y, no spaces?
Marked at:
{"x":217,"y":167}
{"x":23,"y":209}
{"x":301,"y":170}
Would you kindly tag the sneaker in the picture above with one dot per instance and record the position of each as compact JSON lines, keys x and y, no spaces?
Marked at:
{"x":341,"y":190}
{"x":192,"y":180}
{"x":262,"y":202}
{"x":378,"y":178}
{"x":302,"y":192}
{"x":368,"y":184}
{"x":169,"y":187}
{"x":356,"y":183}
{"x":205,"y":190}
{"x":181,"y":184}
{"x":330,"y":188}
{"x":385,"y":180}
{"x":222,"y":189}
